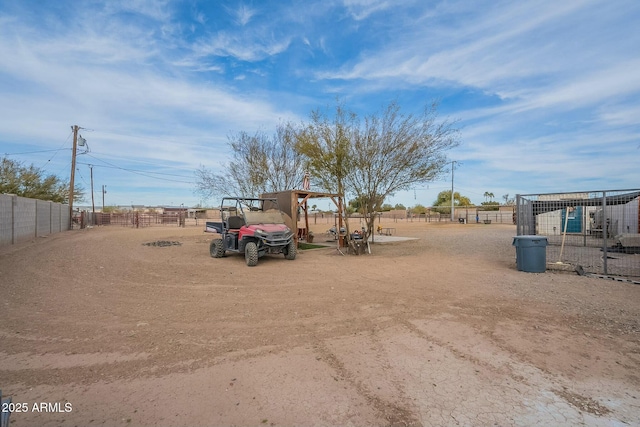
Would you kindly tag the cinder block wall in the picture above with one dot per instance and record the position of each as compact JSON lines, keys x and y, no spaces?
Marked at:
{"x":23,"y":219}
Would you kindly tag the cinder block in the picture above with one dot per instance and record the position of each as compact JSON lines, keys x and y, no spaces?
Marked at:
{"x":43,"y":218}
{"x":6,"y":219}
{"x":24,"y":219}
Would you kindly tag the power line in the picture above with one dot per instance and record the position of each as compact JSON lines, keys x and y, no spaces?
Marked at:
{"x":63,"y":144}
{"x":138,"y":172}
{"x":34,"y":152}
{"x":139,"y":161}
{"x":151,"y":138}
{"x":66,"y":166}
{"x":81,"y":176}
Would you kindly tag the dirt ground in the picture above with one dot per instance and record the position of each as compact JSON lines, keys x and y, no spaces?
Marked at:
{"x":441,"y":330}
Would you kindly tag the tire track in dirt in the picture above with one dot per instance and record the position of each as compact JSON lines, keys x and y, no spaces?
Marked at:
{"x":526,"y":376}
{"x":394,"y":414}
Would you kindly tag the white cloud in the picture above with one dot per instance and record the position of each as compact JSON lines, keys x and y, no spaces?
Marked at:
{"x":245,"y":47}
{"x":157,"y":9}
{"x":547,"y":92}
{"x":621,"y":115}
{"x":112,"y":82}
{"x":362,"y":9}
{"x":506,"y":50}
{"x":243,"y":15}
{"x":201,"y":18}
{"x":594,"y":88}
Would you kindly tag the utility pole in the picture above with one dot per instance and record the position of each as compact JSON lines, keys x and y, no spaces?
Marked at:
{"x":75,"y":129}
{"x":93,"y":204}
{"x":452,"y":167}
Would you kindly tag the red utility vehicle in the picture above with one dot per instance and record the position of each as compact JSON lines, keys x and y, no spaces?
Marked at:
{"x":253,"y":227}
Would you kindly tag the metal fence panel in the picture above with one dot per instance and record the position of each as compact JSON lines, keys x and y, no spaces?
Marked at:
{"x":129,"y":219}
{"x":597,"y":231}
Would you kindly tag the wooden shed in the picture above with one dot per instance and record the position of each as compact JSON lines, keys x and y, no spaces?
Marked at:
{"x":294,"y":204}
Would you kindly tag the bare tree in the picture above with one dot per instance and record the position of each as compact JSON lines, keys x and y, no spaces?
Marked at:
{"x":371,"y":159}
{"x":260,"y":163}
{"x":392,"y":151}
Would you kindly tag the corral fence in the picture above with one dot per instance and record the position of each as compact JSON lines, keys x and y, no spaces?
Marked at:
{"x":131,"y":219}
{"x":22,"y":218}
{"x":595,"y":231}
{"x":502,"y":215}
{"x":505,"y":215}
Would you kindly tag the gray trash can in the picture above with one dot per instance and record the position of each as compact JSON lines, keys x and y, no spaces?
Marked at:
{"x":531,"y":253}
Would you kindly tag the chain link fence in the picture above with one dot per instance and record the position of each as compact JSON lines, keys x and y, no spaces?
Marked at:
{"x":595,"y":231}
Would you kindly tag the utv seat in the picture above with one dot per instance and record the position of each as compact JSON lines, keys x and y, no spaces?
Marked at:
{"x":235,"y":222}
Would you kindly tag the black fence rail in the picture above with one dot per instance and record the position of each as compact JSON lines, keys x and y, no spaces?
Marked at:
{"x":595,"y":231}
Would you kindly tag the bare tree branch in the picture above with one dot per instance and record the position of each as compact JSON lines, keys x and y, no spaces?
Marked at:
{"x":260,"y":163}
{"x":370,"y":159}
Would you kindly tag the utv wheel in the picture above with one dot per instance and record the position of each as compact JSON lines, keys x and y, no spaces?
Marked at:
{"x":290,"y":250}
{"x":251,"y":254}
{"x":216,"y":248}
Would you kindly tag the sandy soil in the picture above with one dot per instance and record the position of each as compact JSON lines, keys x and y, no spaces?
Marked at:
{"x":442,"y":330}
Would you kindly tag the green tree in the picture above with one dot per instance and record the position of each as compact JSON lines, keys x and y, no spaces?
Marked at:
{"x":326,"y":144}
{"x":32,"y":182}
{"x":358,"y":204}
{"x":443,"y":201}
{"x":418,"y":209}
{"x":399,"y":206}
{"x":488,"y":196}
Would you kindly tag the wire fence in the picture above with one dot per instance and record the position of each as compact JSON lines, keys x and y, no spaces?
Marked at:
{"x":594,"y":231}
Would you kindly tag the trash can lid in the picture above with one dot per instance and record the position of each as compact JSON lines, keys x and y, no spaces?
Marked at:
{"x":525,"y":240}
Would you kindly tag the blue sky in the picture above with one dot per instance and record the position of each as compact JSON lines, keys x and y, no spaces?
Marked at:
{"x":547,"y":93}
